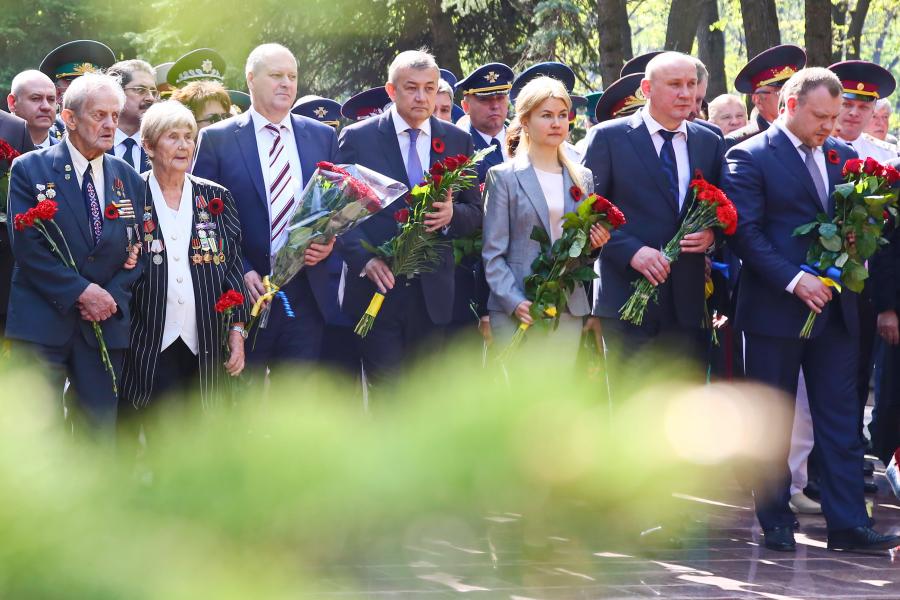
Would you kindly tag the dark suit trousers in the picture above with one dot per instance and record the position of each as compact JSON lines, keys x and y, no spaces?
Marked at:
{"x":399,"y":332}
{"x":90,"y":398}
{"x":287,"y":340}
{"x":829,"y":364}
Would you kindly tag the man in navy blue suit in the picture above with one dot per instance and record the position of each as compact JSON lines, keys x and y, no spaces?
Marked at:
{"x":402,"y":143}
{"x":51,"y":305}
{"x":779,"y":180}
{"x":643,"y":163}
{"x":265,"y":157}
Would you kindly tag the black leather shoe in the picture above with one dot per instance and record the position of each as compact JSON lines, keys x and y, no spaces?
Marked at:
{"x":861,"y":538}
{"x":868,"y":468}
{"x":780,"y":539}
{"x":870,"y":487}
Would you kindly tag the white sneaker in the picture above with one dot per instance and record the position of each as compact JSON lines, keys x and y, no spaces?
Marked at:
{"x":803,"y":505}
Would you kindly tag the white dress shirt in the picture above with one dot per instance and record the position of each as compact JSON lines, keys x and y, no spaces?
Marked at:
{"x":44,"y":144}
{"x":80,"y":164}
{"x":175,"y":226}
{"x":423,"y":142}
{"x":500,"y":137}
{"x":264,"y":138}
{"x":552,"y":186}
{"x":679,"y":143}
{"x":119,"y":149}
{"x":819,"y":157}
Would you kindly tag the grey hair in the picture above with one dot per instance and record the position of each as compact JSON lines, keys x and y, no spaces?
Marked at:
{"x":24,"y":77}
{"x":124,"y":70}
{"x":666,"y":58}
{"x":418,"y":60}
{"x":702,"y":72}
{"x":719,"y":102}
{"x":880,"y":104}
{"x":806,"y":80}
{"x":445,"y":88}
{"x":85,"y":87}
{"x":163,"y":117}
{"x":258,"y":56}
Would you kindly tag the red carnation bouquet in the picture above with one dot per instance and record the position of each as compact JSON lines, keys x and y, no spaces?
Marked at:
{"x":226,"y":304}
{"x":41,"y":218}
{"x":842,"y":244}
{"x":415,"y":250}
{"x":565,"y":263}
{"x":7,"y":154}
{"x":336,"y":199}
{"x":710,"y":207}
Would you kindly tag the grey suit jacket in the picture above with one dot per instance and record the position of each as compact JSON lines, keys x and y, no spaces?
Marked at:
{"x":514,"y":204}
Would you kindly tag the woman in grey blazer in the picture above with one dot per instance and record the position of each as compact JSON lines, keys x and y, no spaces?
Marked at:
{"x":533,"y":189}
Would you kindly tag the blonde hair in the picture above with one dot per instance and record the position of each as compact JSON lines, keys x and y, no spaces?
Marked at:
{"x":529,"y":99}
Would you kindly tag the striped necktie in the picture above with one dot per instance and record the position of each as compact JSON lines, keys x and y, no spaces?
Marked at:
{"x":281,"y":184}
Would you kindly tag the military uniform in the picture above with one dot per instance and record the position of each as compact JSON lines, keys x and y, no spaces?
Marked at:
{"x":203,"y":64}
{"x":324,"y":110}
{"x":366,"y":104}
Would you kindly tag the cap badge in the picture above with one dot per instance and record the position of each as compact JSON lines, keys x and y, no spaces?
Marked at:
{"x":321,"y":112}
{"x":492,"y":76}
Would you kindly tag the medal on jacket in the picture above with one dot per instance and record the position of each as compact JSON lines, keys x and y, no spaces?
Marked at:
{"x":211,"y":236}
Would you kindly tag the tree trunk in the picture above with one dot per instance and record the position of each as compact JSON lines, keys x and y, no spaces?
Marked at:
{"x":444,"y":44}
{"x":615,"y":48}
{"x":711,"y":46}
{"x":681,"y":28}
{"x":854,"y":32}
{"x":839,"y":20}
{"x":818,"y":33}
{"x":760,"y":25}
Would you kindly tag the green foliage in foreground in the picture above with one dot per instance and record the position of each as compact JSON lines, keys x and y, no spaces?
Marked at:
{"x":261,"y":500}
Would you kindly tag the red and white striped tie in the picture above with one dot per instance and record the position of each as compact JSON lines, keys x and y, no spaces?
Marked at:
{"x":281,"y":188}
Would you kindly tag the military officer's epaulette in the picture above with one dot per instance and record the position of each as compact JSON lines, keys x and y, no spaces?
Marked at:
{"x":885,"y":145}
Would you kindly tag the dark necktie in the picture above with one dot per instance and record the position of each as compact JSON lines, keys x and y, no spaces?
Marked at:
{"x":414,"y":168}
{"x":816,"y":175}
{"x":668,"y":162}
{"x":92,"y":204}
{"x":498,"y":153}
{"x":128,"y":157}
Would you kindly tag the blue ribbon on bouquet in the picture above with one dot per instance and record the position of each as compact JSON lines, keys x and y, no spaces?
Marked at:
{"x":722,"y":268}
{"x":831,"y":277}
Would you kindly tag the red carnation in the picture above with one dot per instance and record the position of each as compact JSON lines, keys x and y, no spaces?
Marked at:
{"x":216,"y":206}
{"x":601,"y":204}
{"x":45,"y":210}
{"x":402,"y":215}
{"x":325,"y":165}
{"x":576,"y":193}
{"x":481,"y":188}
{"x":359,"y":190}
{"x":24,"y":220}
{"x":727,"y":216}
{"x":111,"y":212}
{"x":229,"y":300}
{"x":7,"y":152}
{"x":437,"y":144}
{"x":833,"y":156}
{"x":615,"y":217}
{"x":451,"y":163}
{"x":854,"y":166}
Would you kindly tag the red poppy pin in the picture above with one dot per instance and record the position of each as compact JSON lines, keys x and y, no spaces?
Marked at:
{"x":576,"y":193}
{"x":216,"y":206}
{"x":111,"y":212}
{"x":437,"y":144}
{"x":833,"y":156}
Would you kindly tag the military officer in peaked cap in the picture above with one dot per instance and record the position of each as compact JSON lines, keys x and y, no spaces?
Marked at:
{"x":761,"y":79}
{"x":203,"y":64}
{"x":240,"y":101}
{"x":638,"y":64}
{"x":864,"y":83}
{"x":368,"y":103}
{"x":485,"y":95}
{"x":162,"y":81}
{"x":324,"y":110}
{"x":456,"y":111}
{"x":622,"y":98}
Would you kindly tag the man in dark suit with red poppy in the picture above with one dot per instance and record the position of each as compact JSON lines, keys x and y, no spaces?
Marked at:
{"x":779,"y":180}
{"x":401,"y":144}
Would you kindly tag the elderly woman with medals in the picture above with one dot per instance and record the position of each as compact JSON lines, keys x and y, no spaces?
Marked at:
{"x":182,"y":339}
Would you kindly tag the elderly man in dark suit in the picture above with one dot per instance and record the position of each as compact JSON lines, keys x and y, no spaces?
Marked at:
{"x":13,"y":131}
{"x":265,"y":157}
{"x":51,"y":305}
{"x":643,"y":164}
{"x":402,"y":144}
{"x":778,"y":181}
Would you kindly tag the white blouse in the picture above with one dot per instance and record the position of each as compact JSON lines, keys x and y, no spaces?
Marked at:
{"x":552,"y":186}
{"x":181,"y":315}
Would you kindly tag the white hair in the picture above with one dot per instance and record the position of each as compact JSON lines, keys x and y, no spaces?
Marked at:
{"x":880,"y":104}
{"x":26,"y":77}
{"x":163,"y":117}
{"x":445,"y":88}
{"x":258,"y":56}
{"x":88,"y":85}
{"x":412,"y":59}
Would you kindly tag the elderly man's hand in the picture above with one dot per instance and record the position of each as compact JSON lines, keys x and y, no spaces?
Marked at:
{"x":96,"y":304}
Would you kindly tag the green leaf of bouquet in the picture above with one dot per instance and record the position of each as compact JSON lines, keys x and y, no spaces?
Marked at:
{"x":866,"y":244}
{"x":841,"y":260}
{"x":828,"y":230}
{"x":539,"y":235}
{"x":832,"y":243}
{"x":805,"y":229}
{"x":844,"y":189}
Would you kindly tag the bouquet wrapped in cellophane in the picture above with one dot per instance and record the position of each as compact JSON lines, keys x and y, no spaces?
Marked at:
{"x":415,"y":250}
{"x":336,"y":199}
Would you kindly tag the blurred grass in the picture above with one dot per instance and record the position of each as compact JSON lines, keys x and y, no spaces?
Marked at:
{"x":263,"y":499}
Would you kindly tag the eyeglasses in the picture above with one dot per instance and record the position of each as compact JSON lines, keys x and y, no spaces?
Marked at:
{"x":215,"y":118}
{"x":142,"y":91}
